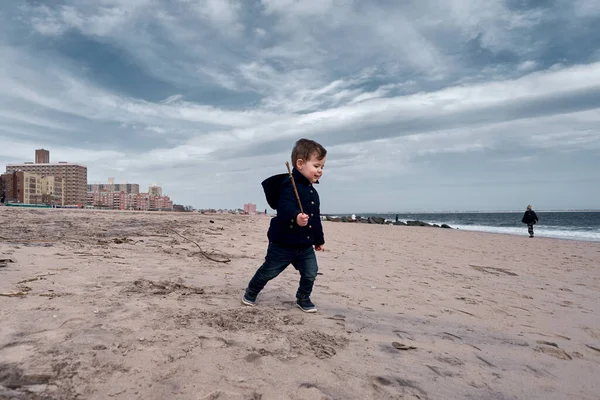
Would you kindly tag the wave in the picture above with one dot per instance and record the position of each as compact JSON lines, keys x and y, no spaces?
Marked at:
{"x":541,"y":231}
{"x":573,"y":227}
{"x":589,"y":234}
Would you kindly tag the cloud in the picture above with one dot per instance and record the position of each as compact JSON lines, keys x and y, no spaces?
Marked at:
{"x":206,"y":97}
{"x":467,"y":107}
{"x":586,"y":8}
{"x":527,"y":65}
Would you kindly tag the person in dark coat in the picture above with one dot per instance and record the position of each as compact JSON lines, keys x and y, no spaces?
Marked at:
{"x":530,"y":218}
{"x":293,"y":235}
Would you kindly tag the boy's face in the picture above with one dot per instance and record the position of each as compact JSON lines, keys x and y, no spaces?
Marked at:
{"x":311,"y":169}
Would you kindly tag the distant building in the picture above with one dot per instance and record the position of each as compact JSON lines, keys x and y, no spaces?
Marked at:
{"x":73,"y":177}
{"x":23,"y":187}
{"x":27,"y":188}
{"x":42,"y":156}
{"x":250,"y":208}
{"x":126,"y":196}
{"x":129,"y":201}
{"x":52,"y":190}
{"x":155,"y":190}
{"x":131,"y":188}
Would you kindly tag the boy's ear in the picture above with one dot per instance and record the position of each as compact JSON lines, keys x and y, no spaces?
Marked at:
{"x":299,"y":163}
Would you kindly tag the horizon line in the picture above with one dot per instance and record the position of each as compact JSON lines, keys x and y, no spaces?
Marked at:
{"x":468,"y":211}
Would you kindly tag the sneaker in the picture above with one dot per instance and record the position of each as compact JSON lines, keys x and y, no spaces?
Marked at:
{"x":306,"y":305}
{"x":249,"y":300}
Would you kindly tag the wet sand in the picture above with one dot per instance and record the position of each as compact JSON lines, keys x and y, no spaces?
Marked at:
{"x":116,"y":305}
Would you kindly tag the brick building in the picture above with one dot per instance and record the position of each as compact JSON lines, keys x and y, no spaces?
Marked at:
{"x":23,"y":187}
{"x":42,"y":156}
{"x":131,"y":188}
{"x":27,"y":188}
{"x":129,"y":201}
{"x":127,"y":196}
{"x":250,"y":208}
{"x":9,"y":186}
{"x":155,"y":190}
{"x":72,"y":177}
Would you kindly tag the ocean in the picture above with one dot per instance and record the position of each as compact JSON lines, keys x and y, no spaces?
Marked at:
{"x":574,"y":225}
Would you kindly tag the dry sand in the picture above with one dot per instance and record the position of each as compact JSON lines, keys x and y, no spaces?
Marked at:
{"x":119,"y":307}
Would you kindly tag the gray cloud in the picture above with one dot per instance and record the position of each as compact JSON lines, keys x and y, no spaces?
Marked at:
{"x":206,"y":97}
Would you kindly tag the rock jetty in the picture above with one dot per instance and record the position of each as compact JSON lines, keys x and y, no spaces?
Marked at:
{"x":382,"y":221}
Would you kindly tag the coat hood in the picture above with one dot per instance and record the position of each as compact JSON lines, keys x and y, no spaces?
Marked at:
{"x":272,"y":186}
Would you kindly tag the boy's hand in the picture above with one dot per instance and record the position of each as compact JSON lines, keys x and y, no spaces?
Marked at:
{"x":302,"y":219}
{"x":319,"y":248}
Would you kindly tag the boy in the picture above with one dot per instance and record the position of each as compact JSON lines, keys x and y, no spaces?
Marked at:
{"x":292,"y":234}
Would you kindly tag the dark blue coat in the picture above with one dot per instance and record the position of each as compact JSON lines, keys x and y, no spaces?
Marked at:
{"x":530,"y":217}
{"x":280,"y":195}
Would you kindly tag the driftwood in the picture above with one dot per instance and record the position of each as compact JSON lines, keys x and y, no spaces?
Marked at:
{"x":14,"y":294}
{"x":35,"y":278}
{"x":205,"y":254}
{"x":592,"y":347}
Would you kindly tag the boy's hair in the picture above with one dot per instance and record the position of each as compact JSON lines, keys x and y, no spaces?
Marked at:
{"x":305,"y":148}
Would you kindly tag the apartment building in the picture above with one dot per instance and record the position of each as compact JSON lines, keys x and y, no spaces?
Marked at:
{"x":42,"y":156}
{"x":129,"y":201}
{"x":250,"y":208}
{"x":27,"y":188}
{"x":72,"y":177}
{"x":22,"y":187}
{"x":131,"y":188}
{"x":8,"y":186}
{"x":52,"y":190}
{"x":155,"y":190}
{"x":126,"y":196}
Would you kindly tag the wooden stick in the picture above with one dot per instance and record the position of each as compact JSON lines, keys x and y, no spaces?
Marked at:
{"x":206,"y":255}
{"x":14,"y":294}
{"x":36,"y":278}
{"x":294,"y":185}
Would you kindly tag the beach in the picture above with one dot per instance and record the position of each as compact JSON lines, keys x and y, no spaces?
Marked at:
{"x":123,"y":305}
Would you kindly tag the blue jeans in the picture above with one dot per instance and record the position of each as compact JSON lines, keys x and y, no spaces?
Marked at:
{"x":278,"y":258}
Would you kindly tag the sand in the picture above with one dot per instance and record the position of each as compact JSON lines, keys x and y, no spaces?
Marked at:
{"x":114,"y":305}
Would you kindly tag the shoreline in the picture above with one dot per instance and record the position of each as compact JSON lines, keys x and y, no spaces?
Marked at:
{"x":525,"y":235}
{"x":542,"y":230}
{"x":465,"y":212}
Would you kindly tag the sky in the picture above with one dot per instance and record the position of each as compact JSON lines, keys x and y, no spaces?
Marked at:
{"x":423,"y":105}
